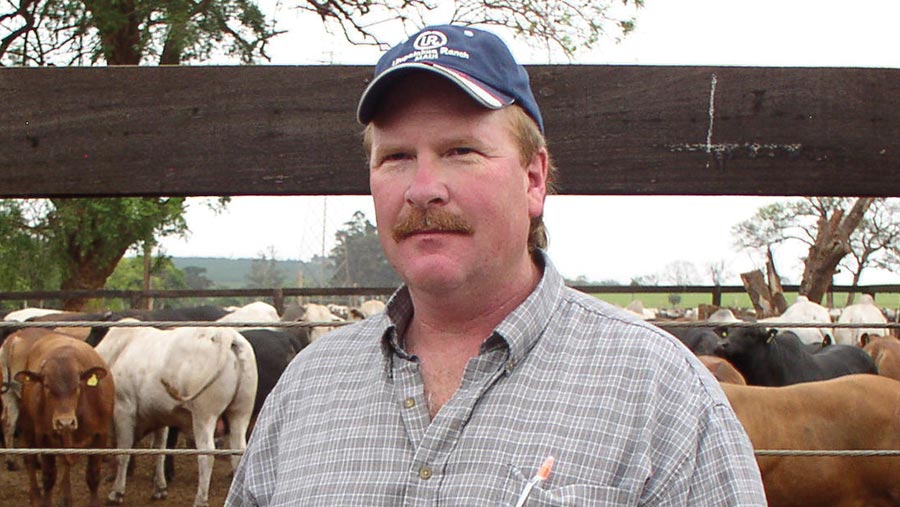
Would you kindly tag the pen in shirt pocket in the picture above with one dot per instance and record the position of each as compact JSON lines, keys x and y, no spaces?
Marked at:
{"x":541,"y":475}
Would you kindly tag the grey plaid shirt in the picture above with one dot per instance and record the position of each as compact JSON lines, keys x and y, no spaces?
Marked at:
{"x":630,"y":416}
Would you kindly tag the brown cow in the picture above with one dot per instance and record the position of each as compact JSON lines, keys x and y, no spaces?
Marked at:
{"x":67,"y":402}
{"x":853,"y":412}
{"x":722,"y":370}
{"x":885,"y":351}
{"x":13,"y":354}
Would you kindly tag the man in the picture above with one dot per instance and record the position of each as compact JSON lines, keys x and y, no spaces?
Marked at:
{"x":484,"y":365}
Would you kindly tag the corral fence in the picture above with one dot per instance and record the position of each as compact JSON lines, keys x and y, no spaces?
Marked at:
{"x":277,"y":296}
{"x":613,"y":130}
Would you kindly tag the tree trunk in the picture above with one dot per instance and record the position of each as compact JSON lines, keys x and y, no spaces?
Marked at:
{"x":146,"y":303}
{"x":85,"y":276}
{"x":758,"y":290}
{"x":832,"y":243}
{"x":776,"y":291}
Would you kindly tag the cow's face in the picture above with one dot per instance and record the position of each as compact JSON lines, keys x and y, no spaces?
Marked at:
{"x":739,"y":341}
{"x":61,"y":384}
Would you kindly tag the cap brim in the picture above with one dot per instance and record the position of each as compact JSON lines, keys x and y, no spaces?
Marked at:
{"x":480,"y":92}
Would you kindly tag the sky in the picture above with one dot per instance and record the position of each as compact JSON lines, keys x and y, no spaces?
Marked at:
{"x":597,"y":237}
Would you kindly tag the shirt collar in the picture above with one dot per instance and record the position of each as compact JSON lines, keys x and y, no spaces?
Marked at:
{"x":520,"y":330}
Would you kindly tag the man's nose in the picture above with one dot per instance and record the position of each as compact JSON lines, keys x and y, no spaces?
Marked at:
{"x":427,"y":187}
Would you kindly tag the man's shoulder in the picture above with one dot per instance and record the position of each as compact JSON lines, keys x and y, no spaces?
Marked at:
{"x":598,"y":316}
{"x":605,"y":335}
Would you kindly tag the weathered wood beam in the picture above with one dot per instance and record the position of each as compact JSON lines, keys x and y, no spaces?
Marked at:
{"x":628,"y":130}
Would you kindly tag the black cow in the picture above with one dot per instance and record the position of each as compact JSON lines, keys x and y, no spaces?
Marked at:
{"x":767,"y":357}
{"x":274,"y":350}
{"x":702,"y":341}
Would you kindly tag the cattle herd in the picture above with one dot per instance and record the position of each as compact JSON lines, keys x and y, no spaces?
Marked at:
{"x":112,"y":385}
{"x":823,"y":388}
{"x":830,"y":385}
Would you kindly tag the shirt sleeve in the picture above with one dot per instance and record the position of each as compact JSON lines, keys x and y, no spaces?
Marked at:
{"x":722,"y":472}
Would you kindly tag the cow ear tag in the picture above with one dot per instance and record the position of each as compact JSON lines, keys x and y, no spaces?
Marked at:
{"x":92,"y":381}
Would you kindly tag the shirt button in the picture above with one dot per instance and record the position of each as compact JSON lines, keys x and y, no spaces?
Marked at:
{"x":409,"y":402}
{"x":425,"y":473}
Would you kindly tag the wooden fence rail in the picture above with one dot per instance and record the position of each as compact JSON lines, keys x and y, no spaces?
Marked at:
{"x":281,"y":130}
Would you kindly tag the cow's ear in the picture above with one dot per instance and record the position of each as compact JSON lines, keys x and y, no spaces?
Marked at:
{"x":827,"y":340}
{"x":722,"y":331}
{"x":92,"y":376}
{"x":771,"y":335}
{"x":26,"y":376}
{"x":864,"y":339}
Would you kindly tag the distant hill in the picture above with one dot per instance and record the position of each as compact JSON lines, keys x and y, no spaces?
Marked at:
{"x":232,"y":273}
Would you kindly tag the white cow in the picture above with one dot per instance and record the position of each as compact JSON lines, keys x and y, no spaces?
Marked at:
{"x":257,"y":311}
{"x":29,"y":313}
{"x":802,"y":311}
{"x":185,"y":377}
{"x":318,"y":313}
{"x":371,"y":307}
{"x":864,"y":312}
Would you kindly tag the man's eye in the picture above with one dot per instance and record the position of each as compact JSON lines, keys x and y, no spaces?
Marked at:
{"x":461,"y":151}
{"x":393,"y":157}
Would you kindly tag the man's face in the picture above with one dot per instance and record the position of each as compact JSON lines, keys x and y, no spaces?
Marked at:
{"x":453,"y":200}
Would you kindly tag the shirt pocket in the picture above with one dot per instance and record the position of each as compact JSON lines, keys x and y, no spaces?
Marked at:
{"x":570,"y":495}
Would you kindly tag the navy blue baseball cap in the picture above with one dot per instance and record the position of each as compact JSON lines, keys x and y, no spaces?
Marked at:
{"x":475,"y":60}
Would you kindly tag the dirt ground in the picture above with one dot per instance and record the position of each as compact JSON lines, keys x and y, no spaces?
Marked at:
{"x":182,"y":489}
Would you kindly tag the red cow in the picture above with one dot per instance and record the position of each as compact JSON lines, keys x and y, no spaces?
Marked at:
{"x":885,"y":351}
{"x":853,"y":412}
{"x":67,"y":402}
{"x":722,"y":370}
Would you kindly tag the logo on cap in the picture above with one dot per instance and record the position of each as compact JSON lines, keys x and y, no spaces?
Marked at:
{"x":430,"y":40}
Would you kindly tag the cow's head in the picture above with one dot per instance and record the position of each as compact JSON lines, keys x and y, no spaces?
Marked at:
{"x":736,"y":341}
{"x":61,"y":385}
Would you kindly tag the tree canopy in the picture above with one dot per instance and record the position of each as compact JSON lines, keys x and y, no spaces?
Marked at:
{"x":135,"y":32}
{"x":853,"y":234}
{"x":357,"y":257}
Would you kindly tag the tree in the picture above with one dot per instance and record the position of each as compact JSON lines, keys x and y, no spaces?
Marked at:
{"x":563,"y":25}
{"x":717,"y":271}
{"x":264,"y":271}
{"x":876,"y":242}
{"x":830,"y":227}
{"x":132,"y":32}
{"x":358,"y":258}
{"x":680,"y":273}
{"x":25,"y":258}
{"x":129,"y":275}
{"x":80,"y":241}
{"x":195,"y":278}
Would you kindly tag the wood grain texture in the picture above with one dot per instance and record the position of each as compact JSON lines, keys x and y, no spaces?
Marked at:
{"x":276,"y":130}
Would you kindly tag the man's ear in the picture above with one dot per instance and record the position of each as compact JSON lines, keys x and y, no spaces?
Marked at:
{"x":536,"y":173}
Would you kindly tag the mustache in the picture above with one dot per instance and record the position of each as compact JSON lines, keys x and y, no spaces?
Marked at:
{"x":432,"y":220}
